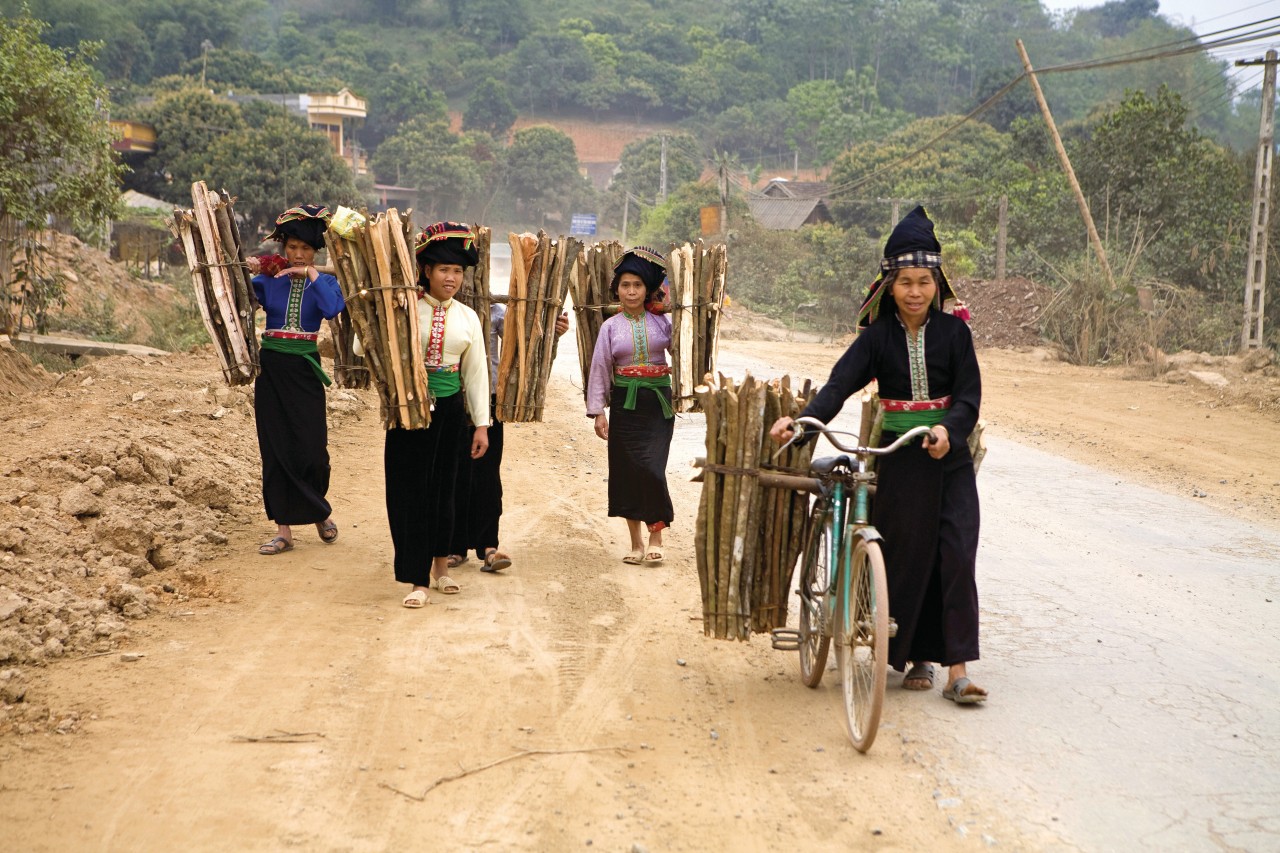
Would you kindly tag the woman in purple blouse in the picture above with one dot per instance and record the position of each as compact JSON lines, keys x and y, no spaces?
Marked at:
{"x":631,"y":377}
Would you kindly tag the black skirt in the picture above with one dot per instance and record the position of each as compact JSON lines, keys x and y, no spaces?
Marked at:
{"x":421,"y":468}
{"x":927,"y":511}
{"x":293,"y":439}
{"x":479,"y":492}
{"x":639,"y":444}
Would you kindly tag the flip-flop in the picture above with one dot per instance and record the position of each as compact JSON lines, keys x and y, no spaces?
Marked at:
{"x":415,"y":599}
{"x":456,"y":560}
{"x":328,"y":532}
{"x":918,"y":672}
{"x":958,"y":692}
{"x":634,"y":557}
{"x":654,"y":554}
{"x":277,"y":545}
{"x":495,"y":561}
{"x":446,"y":585}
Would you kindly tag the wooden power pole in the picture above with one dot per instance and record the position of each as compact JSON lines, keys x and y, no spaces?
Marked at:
{"x":1066,"y":167}
{"x":1255,"y":277}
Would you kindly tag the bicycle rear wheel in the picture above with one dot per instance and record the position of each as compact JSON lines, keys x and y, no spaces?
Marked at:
{"x":862,"y":640}
{"x":815,"y":581}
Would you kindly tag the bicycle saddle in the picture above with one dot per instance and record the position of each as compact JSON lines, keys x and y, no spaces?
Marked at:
{"x":826,"y":464}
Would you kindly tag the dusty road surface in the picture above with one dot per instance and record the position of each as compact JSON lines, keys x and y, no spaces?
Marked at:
{"x":1126,"y":630}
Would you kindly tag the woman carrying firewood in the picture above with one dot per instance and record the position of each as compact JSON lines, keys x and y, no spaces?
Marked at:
{"x":926,"y":503}
{"x":421,"y":465}
{"x":630,"y":376}
{"x":289,"y":404}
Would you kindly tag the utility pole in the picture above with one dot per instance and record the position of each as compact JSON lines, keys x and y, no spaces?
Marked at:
{"x":1002,"y":237}
{"x":1066,"y":167}
{"x":626,"y":208}
{"x":662,"y":176}
{"x":1255,"y":277}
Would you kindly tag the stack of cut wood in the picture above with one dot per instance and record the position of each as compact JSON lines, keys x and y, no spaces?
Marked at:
{"x":592,"y":303}
{"x":696,"y":276}
{"x":541,"y":271}
{"x":349,"y":369}
{"x":375,"y":266}
{"x":748,"y":537}
{"x":215,"y":258}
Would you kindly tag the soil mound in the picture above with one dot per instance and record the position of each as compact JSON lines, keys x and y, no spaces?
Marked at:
{"x":1004,"y":312}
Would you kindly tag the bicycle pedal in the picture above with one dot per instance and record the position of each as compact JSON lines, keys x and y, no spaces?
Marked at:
{"x":893,"y":628}
{"x":786,"y":639}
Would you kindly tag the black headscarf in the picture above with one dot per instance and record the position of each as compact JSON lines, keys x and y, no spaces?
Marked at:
{"x":447,"y":243}
{"x":307,"y":222}
{"x":644,"y":262}
{"x":911,"y":244}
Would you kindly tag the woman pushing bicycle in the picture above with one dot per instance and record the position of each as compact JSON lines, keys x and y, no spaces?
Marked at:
{"x":926,"y":503}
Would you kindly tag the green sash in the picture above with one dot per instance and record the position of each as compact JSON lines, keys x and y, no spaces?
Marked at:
{"x":306,"y":349}
{"x":443,"y":383}
{"x":634,"y":383}
{"x":901,"y":422}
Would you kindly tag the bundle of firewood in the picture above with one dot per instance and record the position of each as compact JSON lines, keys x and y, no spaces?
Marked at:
{"x":224,"y":291}
{"x":541,"y":271}
{"x":696,"y":277}
{"x":375,"y":267}
{"x":748,"y":536}
{"x":592,"y":304}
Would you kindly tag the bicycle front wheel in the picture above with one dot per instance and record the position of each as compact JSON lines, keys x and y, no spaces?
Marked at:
{"x":862,"y":639}
{"x":815,"y":583}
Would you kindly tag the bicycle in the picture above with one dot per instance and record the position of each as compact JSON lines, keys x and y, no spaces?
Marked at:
{"x":850,"y":604}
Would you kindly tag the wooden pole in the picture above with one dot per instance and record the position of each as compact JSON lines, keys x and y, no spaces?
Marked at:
{"x":1094,"y":239}
{"x":1002,"y":237}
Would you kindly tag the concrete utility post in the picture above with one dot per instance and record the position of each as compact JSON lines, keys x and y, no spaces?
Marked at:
{"x":1255,"y":277}
{"x":662,"y":177}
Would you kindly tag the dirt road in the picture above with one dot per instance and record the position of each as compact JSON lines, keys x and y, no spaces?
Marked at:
{"x":698,"y":744}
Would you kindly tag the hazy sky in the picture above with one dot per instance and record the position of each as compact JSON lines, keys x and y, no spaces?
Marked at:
{"x":1207,"y":16}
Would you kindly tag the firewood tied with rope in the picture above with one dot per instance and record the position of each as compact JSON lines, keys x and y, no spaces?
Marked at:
{"x":748,"y":536}
{"x":220,"y":278}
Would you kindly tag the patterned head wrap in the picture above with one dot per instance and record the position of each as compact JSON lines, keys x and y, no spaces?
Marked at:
{"x":307,"y":222}
{"x":912,"y":244}
{"x":644,"y":262}
{"x":447,"y":243}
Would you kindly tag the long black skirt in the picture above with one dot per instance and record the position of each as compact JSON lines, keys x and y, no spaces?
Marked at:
{"x":927,"y":511}
{"x":478,"y":497}
{"x":293,"y":439}
{"x":639,"y":444}
{"x":421,"y":468}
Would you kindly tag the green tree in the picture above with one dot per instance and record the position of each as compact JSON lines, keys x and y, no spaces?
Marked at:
{"x":438,"y":163}
{"x":187,"y":122}
{"x":640,"y":164}
{"x":278,"y":164}
{"x":397,"y":95}
{"x":54,"y":131}
{"x":489,"y":109}
{"x":542,"y":172}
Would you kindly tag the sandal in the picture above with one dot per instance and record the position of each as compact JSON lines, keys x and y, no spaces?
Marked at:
{"x":277,"y":545}
{"x":634,"y":557}
{"x":495,"y":561}
{"x":456,"y":560}
{"x":328,"y":532}
{"x":446,"y":584}
{"x":964,"y":692}
{"x":415,"y":599}
{"x":919,"y":672}
{"x":654,"y":554}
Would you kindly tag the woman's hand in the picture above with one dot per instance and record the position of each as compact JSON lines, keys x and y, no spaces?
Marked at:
{"x":479,"y":442}
{"x":602,"y":426}
{"x":309,"y":271}
{"x":562,"y":324}
{"x":781,"y":429}
{"x":941,"y":444}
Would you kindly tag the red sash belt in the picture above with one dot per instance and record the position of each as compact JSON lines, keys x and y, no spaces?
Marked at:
{"x":290,"y":336}
{"x":646,"y":370}
{"x":916,"y":405}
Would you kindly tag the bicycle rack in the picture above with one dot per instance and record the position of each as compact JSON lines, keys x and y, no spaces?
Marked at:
{"x":786,"y":639}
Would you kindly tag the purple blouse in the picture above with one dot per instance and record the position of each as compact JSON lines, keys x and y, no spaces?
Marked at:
{"x":624,"y":342}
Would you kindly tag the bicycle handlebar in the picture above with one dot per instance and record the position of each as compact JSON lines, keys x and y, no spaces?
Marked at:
{"x":798,"y":431}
